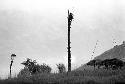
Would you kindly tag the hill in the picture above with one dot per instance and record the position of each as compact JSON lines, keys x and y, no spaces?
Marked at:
{"x":117,"y":51}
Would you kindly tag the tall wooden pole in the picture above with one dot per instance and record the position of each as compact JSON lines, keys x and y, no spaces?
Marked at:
{"x":10,"y":67}
{"x":70,"y":17}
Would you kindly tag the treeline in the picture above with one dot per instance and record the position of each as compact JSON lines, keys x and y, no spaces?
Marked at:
{"x":31,"y":67}
{"x":107,"y":63}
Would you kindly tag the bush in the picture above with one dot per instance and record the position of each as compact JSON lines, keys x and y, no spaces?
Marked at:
{"x":33,"y":67}
{"x":61,"y":68}
{"x":24,"y":73}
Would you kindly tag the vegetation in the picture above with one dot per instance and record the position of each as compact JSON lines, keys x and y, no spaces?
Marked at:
{"x":61,"y":68}
{"x":97,"y":76}
{"x":102,"y":71}
{"x":107,"y":63}
{"x":33,"y":67}
{"x":34,"y":73}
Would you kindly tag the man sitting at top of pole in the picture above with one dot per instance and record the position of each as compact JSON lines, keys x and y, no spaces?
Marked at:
{"x":70,"y":17}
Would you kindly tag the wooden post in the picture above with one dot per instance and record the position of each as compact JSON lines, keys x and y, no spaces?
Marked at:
{"x":12,"y":58}
{"x":10,"y":67}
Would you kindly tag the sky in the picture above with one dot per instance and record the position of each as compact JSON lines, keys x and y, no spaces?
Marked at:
{"x":37,"y":29}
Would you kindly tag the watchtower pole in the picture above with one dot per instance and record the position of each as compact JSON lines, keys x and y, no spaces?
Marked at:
{"x":70,"y":17}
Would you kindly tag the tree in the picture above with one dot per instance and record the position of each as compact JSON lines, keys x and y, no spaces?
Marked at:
{"x":61,"y":68}
{"x":107,"y":63}
{"x":96,"y":62}
{"x":116,"y":63}
{"x":34,"y":68}
{"x":30,"y":65}
{"x":45,"y":68}
{"x":92,"y":63}
{"x":24,"y":73}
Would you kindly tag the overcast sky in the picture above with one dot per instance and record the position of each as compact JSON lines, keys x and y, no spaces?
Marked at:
{"x":37,"y":29}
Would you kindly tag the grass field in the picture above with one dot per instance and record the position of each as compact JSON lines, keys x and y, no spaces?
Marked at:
{"x":86,"y":76}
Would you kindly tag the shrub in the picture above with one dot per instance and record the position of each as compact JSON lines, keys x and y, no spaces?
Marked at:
{"x":24,"y":73}
{"x":61,"y":68}
{"x":34,"y":68}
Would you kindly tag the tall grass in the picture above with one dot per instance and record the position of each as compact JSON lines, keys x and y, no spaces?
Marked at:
{"x":97,"y":76}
